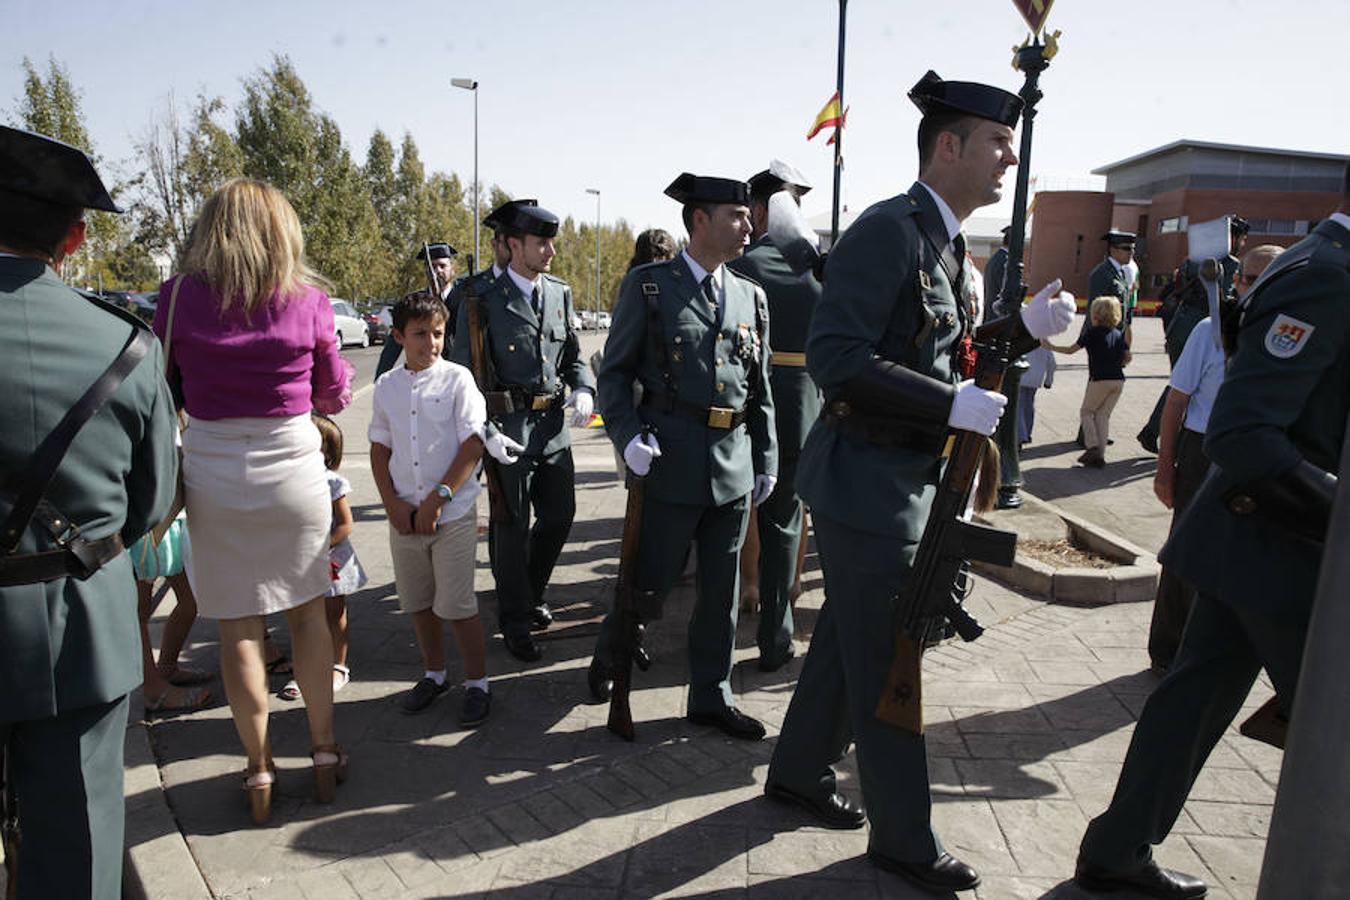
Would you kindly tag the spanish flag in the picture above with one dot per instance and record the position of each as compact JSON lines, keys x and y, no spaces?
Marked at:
{"x":830,"y":116}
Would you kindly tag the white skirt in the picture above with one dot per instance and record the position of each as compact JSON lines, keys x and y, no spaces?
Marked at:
{"x":258,"y":512}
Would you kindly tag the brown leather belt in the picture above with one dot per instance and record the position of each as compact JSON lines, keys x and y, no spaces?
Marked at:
{"x":881,"y":431}
{"x":517,"y":399}
{"x":719,"y":417}
{"x":79,"y":558}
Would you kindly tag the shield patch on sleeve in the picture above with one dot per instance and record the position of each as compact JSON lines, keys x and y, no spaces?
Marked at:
{"x":1287,"y":336}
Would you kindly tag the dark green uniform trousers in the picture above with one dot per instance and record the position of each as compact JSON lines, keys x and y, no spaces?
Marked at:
{"x":1222,"y":650}
{"x":67,"y":773}
{"x":523,"y":555}
{"x":780,"y":534}
{"x":842,"y":680}
{"x":718,"y":533}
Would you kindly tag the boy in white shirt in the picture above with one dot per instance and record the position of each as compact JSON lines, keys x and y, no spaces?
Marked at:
{"x":425,"y":445}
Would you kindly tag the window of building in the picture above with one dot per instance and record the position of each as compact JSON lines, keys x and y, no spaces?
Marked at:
{"x":1279,"y":226}
{"x":1173,"y":225}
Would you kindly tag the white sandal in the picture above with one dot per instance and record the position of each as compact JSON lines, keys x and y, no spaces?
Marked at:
{"x":344,"y":680}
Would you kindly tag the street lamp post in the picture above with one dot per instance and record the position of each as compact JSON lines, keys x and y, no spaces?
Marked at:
{"x":596,"y":305}
{"x":469,"y":84}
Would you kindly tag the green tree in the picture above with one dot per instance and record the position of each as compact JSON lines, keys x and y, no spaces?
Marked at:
{"x":51,"y":105}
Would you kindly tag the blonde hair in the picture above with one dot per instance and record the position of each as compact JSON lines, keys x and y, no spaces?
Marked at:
{"x":247,"y":246}
{"x":1105,"y":311}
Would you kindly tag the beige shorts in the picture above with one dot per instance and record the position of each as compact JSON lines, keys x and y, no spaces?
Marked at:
{"x":436,"y":570}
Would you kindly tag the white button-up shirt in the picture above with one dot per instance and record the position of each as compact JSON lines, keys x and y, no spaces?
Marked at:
{"x":423,"y":418}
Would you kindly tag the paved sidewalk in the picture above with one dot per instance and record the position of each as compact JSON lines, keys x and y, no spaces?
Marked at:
{"x":1028,"y":727}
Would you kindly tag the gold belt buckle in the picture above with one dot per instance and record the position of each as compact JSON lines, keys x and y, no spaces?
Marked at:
{"x":540,"y":401}
{"x":720,"y":416}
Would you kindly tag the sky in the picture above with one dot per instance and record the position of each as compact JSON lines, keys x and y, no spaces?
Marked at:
{"x":623,"y":95}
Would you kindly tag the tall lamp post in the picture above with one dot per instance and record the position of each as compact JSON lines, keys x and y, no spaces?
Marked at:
{"x":596,"y":306}
{"x":469,"y":84}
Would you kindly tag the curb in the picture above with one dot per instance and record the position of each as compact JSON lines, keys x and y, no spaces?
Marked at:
{"x":156,"y":860}
{"x":1135,"y":580}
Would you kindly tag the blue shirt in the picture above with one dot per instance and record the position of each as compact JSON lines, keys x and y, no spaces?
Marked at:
{"x":1199,"y":372}
{"x":1106,"y":349}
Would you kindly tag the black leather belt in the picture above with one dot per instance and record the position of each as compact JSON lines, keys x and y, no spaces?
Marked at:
{"x":880,"y":430}
{"x":720,"y":417}
{"x":78,"y":558}
{"x":516,"y":399}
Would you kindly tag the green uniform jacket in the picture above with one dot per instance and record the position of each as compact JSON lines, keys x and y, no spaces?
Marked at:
{"x":539,"y":356}
{"x":1284,"y":398}
{"x":887,"y":294}
{"x":67,"y":644}
{"x":994,"y":273}
{"x":792,"y":299}
{"x":481,"y":282}
{"x":710,"y":366}
{"x":1107,"y":281}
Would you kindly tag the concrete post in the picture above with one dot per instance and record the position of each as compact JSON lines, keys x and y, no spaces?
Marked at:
{"x":1310,"y":829}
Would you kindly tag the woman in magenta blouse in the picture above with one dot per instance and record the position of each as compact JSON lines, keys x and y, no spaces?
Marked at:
{"x":250,"y":335}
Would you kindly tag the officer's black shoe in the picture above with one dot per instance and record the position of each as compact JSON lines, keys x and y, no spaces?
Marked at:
{"x":421,"y":695}
{"x":641,"y":658}
{"x":541,"y":617}
{"x":522,"y":647}
{"x":1148,"y":440}
{"x":833,"y":811}
{"x":774,"y":663}
{"x":732,"y":721}
{"x":1151,"y":880}
{"x":942,"y":875}
{"x":599,"y":681}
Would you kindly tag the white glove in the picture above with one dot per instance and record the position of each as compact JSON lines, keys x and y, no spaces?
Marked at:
{"x":1049,"y":312}
{"x":502,"y":448}
{"x":640,"y":452}
{"x":975,"y":409}
{"x":582,"y":405}
{"x":763,"y":488}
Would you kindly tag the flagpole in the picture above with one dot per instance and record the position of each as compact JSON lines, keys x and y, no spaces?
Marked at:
{"x":839,"y":129}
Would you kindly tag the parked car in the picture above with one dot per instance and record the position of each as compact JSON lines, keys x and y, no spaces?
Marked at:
{"x":588,"y":318}
{"x":603,"y":320}
{"x":379,"y":321}
{"x":349,"y":326}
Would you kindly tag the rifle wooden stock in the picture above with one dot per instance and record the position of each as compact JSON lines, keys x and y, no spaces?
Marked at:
{"x":481,"y":365}
{"x":949,"y":541}
{"x":625,"y":632}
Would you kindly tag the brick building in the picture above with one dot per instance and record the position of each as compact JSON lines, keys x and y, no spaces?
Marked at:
{"x":1159,"y":192}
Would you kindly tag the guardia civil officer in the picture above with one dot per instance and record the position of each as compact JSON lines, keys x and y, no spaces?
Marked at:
{"x":1251,"y":543}
{"x":995,"y":270}
{"x":443,"y":264}
{"x":537,"y":357}
{"x":69,"y":634}
{"x":796,"y":403}
{"x":883,"y":345}
{"x":1111,"y":278}
{"x":481,"y":280}
{"x":695,"y":335}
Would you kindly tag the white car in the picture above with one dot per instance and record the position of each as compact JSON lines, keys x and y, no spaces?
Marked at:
{"x":603,"y":320}
{"x":350,"y":327}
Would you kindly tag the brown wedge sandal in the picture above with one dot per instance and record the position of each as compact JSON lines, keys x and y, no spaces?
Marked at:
{"x":330,"y":770}
{"x":258,"y":781}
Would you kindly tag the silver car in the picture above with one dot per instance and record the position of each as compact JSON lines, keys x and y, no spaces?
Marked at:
{"x":350,"y":327}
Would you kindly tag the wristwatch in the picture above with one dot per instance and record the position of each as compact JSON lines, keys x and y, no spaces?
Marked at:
{"x":444,"y":492}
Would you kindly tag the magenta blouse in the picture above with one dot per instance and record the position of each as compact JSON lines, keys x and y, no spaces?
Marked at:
{"x":284,"y":361}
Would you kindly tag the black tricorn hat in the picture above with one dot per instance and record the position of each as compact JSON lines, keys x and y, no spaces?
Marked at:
{"x":38,"y":166}
{"x":933,"y":95}
{"x":1238,"y":225}
{"x":778,"y":176}
{"x":525,"y":218}
{"x":502,"y":214}
{"x":688,"y":188}
{"x":440,"y":250}
{"x":1120,"y":238}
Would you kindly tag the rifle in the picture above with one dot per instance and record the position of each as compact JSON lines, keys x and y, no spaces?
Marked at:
{"x":9,"y":827}
{"x":626,"y":622}
{"x":433,"y":283}
{"x":484,"y":374}
{"x":949,"y":541}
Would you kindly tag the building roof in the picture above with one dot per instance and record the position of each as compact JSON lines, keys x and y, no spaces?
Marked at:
{"x":1188,"y":144}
